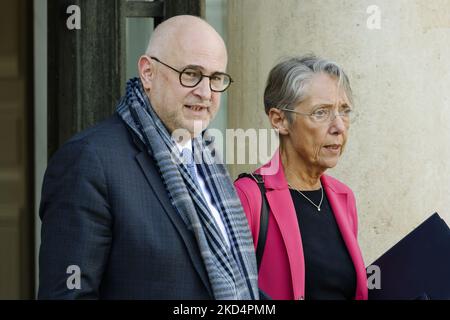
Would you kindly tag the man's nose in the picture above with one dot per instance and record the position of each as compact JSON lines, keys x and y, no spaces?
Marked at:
{"x":203,"y":89}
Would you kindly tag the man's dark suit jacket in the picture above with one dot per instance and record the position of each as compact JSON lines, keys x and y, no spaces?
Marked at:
{"x":105,"y":209}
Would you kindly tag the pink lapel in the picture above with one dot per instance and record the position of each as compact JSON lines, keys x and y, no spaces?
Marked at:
{"x":341,"y":207}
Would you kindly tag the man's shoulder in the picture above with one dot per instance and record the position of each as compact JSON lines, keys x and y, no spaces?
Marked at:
{"x":109,"y":131}
{"x":107,"y":139}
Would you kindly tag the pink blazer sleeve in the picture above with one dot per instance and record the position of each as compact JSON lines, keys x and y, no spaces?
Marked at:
{"x":353,"y":213}
{"x":250,"y":197}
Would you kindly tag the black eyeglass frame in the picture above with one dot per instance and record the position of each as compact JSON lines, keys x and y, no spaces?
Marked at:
{"x":200,"y":79}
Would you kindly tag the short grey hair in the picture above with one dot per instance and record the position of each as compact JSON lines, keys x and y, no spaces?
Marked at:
{"x":287,"y":84}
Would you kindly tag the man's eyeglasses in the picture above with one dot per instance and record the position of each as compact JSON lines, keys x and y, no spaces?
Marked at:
{"x":190,"y":77}
{"x":322,"y":115}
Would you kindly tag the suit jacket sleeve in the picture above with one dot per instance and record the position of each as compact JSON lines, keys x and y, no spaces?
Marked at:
{"x":76,"y":224}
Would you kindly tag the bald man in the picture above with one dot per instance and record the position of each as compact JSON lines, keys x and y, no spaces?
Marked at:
{"x":137,"y":207}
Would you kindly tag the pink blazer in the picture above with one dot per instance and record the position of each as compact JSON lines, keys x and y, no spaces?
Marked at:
{"x":282,"y":271}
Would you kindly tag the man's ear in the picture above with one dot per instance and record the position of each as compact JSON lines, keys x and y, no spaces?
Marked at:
{"x":278,"y":121}
{"x":145,"y":66}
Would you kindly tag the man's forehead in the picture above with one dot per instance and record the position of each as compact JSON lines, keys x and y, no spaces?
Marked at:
{"x":192,"y":44}
{"x":204,"y":65}
{"x":198,"y":58}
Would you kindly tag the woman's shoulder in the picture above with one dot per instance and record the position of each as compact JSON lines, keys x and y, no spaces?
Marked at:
{"x":247,"y":185}
{"x":250,"y":195}
{"x":336,"y":184}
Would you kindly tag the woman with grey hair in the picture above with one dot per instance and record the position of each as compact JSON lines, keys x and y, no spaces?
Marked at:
{"x":307,"y":241}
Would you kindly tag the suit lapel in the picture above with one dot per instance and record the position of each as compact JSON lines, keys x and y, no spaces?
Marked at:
{"x":153,"y":177}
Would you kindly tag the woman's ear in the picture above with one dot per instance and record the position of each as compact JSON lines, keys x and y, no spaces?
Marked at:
{"x":278,"y":121}
{"x":145,"y":66}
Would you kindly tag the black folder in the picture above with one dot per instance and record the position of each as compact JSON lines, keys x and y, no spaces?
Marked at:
{"x":418,"y":266}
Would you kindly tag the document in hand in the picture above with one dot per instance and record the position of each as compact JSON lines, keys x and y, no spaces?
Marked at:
{"x":418,"y":266}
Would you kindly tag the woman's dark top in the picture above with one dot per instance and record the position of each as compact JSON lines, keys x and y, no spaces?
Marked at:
{"x":329,"y":270}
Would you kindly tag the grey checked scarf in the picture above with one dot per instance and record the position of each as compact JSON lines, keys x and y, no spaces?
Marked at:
{"x":231,"y":270}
